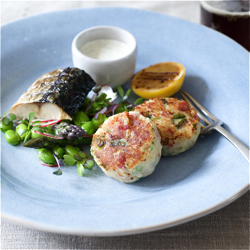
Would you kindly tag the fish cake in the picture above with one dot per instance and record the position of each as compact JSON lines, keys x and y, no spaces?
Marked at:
{"x":177,"y":123}
{"x":127,"y":146}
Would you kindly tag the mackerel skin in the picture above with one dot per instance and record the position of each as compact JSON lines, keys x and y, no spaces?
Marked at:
{"x":55,"y":95}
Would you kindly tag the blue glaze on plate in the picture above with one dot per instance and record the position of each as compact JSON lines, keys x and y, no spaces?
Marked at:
{"x":205,"y":178}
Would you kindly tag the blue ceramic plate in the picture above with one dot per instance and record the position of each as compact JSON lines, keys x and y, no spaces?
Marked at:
{"x":207,"y":177}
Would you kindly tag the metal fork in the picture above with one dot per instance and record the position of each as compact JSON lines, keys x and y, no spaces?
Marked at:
{"x":214,"y":125}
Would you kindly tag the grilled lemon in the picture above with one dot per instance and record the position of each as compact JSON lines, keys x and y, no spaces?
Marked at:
{"x":159,"y":80}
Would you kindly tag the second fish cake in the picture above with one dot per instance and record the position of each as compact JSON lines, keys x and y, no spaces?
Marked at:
{"x":177,"y":123}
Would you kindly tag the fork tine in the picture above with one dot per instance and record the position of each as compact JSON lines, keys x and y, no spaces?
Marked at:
{"x":203,"y":109}
{"x":201,"y":116}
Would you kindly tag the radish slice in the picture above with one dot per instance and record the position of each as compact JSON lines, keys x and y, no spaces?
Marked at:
{"x":50,"y":123}
{"x":42,"y":121}
{"x":48,"y":135}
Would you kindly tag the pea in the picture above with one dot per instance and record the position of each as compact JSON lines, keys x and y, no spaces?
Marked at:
{"x":46,"y":156}
{"x":80,"y":117}
{"x":4,"y":128}
{"x":71,"y":150}
{"x":20,"y":131}
{"x":12,"y":137}
{"x":100,"y":120}
{"x":58,"y":151}
{"x":89,"y":128}
{"x":34,"y":135}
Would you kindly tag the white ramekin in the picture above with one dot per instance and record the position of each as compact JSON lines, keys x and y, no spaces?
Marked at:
{"x":112,"y":72}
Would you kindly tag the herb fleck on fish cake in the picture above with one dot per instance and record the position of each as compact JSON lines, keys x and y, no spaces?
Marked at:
{"x":177,"y":123}
{"x":127,"y":146}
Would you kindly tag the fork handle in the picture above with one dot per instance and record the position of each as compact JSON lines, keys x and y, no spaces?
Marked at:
{"x":239,"y":145}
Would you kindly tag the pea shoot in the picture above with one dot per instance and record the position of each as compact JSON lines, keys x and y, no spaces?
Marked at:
{"x":6,"y":122}
{"x":27,"y":131}
{"x":75,"y":156}
{"x":124,"y":105}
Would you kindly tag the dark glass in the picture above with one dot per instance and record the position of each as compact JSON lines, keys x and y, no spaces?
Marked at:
{"x":234,"y":25}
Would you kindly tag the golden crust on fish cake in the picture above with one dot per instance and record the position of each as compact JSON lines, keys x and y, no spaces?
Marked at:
{"x":177,"y":123}
{"x":127,"y":146}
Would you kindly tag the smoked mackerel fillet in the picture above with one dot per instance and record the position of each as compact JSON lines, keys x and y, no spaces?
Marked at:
{"x":55,"y":95}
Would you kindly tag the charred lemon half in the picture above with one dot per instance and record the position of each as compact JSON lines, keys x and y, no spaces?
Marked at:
{"x":159,"y":80}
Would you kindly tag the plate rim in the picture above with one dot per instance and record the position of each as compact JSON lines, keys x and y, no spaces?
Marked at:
{"x":53,"y":229}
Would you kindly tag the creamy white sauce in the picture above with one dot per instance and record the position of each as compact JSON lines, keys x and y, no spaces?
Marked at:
{"x":105,"y":49}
